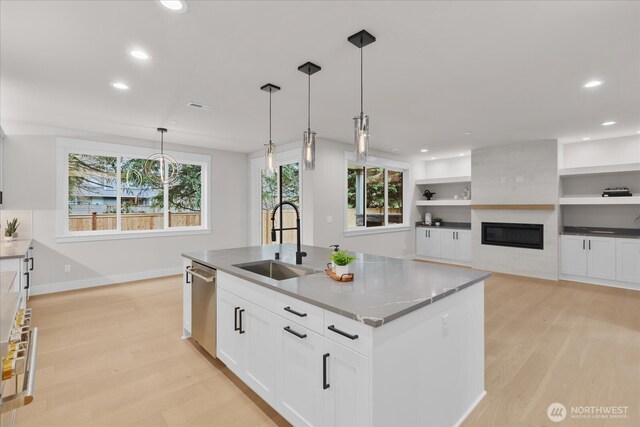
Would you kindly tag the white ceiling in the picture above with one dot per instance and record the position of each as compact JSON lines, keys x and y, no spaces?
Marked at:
{"x":506,"y":71}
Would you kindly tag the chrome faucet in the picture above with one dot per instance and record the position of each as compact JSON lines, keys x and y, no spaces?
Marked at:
{"x":299,"y":253}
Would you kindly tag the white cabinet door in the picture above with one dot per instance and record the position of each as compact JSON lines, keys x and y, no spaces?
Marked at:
{"x":628,"y":260}
{"x":421,"y":241}
{"x":347,"y":390}
{"x":601,"y":257}
{"x":229,"y":342}
{"x":433,"y":243}
{"x":299,"y":396}
{"x":259,"y":348}
{"x":463,"y":237}
{"x":448,"y":244}
{"x":573,"y":255}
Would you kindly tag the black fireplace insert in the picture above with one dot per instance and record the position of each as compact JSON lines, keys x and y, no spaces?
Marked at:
{"x":530,"y":236}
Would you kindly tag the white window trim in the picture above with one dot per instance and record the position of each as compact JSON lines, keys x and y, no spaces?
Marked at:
{"x":257,"y":165}
{"x":349,"y":157}
{"x":64,"y":146}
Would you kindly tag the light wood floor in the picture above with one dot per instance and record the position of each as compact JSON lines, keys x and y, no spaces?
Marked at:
{"x":112,"y":356}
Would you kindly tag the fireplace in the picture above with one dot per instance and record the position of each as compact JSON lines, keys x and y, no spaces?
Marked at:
{"x":530,"y":236}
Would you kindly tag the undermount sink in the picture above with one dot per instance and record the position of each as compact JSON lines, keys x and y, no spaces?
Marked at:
{"x":275,"y":269}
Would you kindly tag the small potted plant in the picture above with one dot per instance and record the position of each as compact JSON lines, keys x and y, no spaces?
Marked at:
{"x":341,"y":261}
{"x":437,"y":221}
{"x":11,"y":230}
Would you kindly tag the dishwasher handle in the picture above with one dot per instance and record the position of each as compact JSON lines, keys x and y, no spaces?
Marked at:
{"x":194,"y":272}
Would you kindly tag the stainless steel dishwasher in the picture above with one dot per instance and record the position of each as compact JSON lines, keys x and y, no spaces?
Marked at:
{"x":203,"y":306}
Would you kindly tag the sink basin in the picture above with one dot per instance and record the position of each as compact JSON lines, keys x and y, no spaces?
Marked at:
{"x":275,"y":269}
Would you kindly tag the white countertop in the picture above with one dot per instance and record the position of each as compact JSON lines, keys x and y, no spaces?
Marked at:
{"x":14,"y":249}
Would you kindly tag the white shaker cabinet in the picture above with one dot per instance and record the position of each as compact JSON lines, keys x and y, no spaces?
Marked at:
{"x":428,"y":242}
{"x":299,"y":396}
{"x":448,"y":244}
{"x":573,"y":255}
{"x":601,"y":257}
{"x":229,"y":343}
{"x":628,"y":260}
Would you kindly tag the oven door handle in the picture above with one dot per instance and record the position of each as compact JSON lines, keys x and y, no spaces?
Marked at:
{"x":194,"y":272}
{"x":27,"y":394}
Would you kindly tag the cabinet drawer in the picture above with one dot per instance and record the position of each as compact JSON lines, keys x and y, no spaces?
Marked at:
{"x":348,"y":332}
{"x":300,"y":312}
{"x":259,"y":295}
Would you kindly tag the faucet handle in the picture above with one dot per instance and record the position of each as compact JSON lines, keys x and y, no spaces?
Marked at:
{"x":277,"y":255}
{"x":336,"y":248}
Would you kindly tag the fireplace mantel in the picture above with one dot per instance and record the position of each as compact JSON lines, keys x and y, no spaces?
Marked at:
{"x":519,"y":207}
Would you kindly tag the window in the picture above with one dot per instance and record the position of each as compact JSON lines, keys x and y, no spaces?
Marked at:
{"x":106,"y":192}
{"x":375,"y":198}
{"x":284,"y":185}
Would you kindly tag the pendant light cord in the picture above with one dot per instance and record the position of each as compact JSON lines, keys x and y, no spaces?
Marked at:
{"x":361,"y":84}
{"x":161,"y":142}
{"x":309,"y":108}
{"x":269,"y":115}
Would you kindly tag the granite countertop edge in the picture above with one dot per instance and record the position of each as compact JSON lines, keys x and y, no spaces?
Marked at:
{"x":451,"y":225}
{"x":370,"y":321}
{"x":11,"y":247}
{"x":625,"y":233}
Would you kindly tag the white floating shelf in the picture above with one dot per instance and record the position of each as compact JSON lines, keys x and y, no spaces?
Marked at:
{"x":596,"y":170}
{"x":597,"y":200}
{"x":450,"y":180}
{"x":443,"y":202}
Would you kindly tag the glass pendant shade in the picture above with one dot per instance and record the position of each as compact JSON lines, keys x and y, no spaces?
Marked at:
{"x":161,"y":168}
{"x":361,"y":125}
{"x":309,"y":150}
{"x":270,"y":158}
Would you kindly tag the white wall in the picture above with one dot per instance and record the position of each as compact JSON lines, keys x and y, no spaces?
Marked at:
{"x":516,"y":173}
{"x":29,"y":176}
{"x":613,"y":151}
{"x":446,"y":168}
{"x":323,"y":197}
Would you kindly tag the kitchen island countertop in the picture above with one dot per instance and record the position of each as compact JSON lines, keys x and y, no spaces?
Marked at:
{"x":383,"y":288}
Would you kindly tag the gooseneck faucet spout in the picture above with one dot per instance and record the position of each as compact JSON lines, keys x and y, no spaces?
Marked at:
{"x":299,"y":253}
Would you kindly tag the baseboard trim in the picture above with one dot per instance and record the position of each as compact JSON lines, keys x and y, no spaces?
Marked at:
{"x":471,"y":408}
{"x":102,"y":281}
{"x":601,"y":282}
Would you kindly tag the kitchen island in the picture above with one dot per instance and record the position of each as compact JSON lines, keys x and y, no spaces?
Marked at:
{"x":403,"y":344}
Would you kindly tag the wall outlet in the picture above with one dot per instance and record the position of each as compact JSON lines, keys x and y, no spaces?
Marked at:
{"x":67,"y":268}
{"x":445,"y":325}
{"x":329,"y":219}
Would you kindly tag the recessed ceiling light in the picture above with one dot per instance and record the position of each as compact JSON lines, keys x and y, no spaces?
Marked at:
{"x":586,"y":138}
{"x":173,"y":122}
{"x":139,"y":54}
{"x":424,"y":150}
{"x":593,"y":83}
{"x":639,"y":131}
{"x":461,"y":154}
{"x":120,"y":85}
{"x":433,"y":158}
{"x":608,"y":123}
{"x":467,"y":133}
{"x":174,"y":5}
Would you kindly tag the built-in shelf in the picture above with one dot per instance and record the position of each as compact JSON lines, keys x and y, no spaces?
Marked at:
{"x":518,"y":207}
{"x":450,"y":180}
{"x":443,"y":202}
{"x":596,"y":170}
{"x":598,"y":200}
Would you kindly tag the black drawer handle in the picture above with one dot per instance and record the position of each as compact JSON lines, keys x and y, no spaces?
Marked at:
{"x":291,"y":331}
{"x":332,"y":328}
{"x":325,"y":384}
{"x":28,"y":280}
{"x":32,"y":263}
{"x":235,"y":319}
{"x":295,"y":312}
{"x":242,"y":331}
{"x":186,"y":276}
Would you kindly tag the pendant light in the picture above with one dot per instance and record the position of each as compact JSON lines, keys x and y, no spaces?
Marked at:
{"x":270,"y":151}
{"x":309,"y":137}
{"x":361,"y":122}
{"x":161,"y":168}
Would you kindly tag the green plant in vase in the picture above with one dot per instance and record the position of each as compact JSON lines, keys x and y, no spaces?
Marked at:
{"x":11,"y":230}
{"x":341,"y":261}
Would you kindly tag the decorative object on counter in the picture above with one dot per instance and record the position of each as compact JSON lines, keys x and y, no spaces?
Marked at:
{"x":466,"y":194}
{"x":336,"y":248}
{"x":437,"y":221}
{"x":428,"y":194}
{"x":344,"y":278}
{"x":11,"y":230}
{"x":161,"y":168}
{"x":455,"y":197}
{"x":361,"y":122}
{"x":427,"y":218}
{"x":616,"y":192}
{"x":341,"y":261}
{"x":309,"y":137}
{"x":270,"y":150}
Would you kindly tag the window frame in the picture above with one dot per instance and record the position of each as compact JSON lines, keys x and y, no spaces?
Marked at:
{"x":386,"y":164}
{"x":66,"y":146}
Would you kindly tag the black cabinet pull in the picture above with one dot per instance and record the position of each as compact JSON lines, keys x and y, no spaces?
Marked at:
{"x":28,"y":280}
{"x":235,"y":319}
{"x":589,"y":244}
{"x":32,"y":263}
{"x":583,"y":245}
{"x":291,"y":331}
{"x":242,"y":331}
{"x":325,"y":384}
{"x":332,"y":328}
{"x":186,"y":276}
{"x":295,"y":312}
